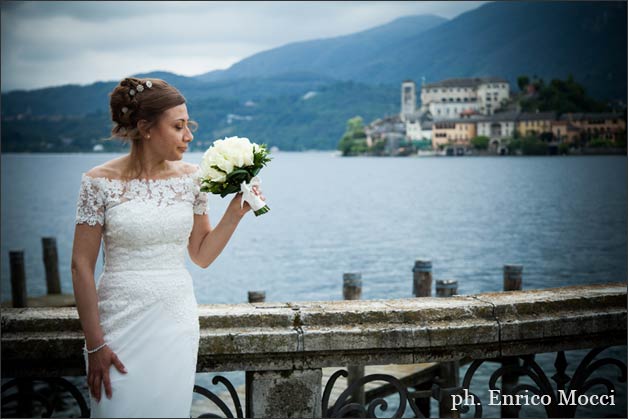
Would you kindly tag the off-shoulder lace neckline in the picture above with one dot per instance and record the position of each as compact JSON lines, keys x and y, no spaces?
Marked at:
{"x":144,"y":180}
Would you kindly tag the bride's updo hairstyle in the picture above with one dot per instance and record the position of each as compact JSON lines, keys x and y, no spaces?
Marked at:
{"x":135,"y":99}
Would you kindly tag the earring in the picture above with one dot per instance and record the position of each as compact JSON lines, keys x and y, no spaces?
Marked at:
{"x":147,"y":136}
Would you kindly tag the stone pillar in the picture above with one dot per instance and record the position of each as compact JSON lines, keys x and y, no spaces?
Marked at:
{"x":422,"y":278}
{"x":18,"y":278}
{"x":512,"y":282}
{"x":449,"y":371}
{"x":51,"y":263}
{"x":257,"y":296}
{"x":422,"y":287}
{"x":352,"y":290}
{"x":284,"y":394}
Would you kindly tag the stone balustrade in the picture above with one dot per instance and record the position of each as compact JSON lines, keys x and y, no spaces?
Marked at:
{"x":283,"y":346}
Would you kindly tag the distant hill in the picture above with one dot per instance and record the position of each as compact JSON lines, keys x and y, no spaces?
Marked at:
{"x":81,"y":100}
{"x":506,"y":39}
{"x":338,"y":57}
{"x":304,"y":114}
{"x":299,"y":96}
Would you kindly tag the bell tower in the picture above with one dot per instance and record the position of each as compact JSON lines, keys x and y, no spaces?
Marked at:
{"x":408,"y":99}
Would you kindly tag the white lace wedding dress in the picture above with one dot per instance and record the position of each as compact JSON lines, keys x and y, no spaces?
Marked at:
{"x":146,"y":300}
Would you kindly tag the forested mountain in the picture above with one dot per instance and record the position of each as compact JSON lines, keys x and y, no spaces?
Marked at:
{"x":550,"y":39}
{"x":299,"y":96}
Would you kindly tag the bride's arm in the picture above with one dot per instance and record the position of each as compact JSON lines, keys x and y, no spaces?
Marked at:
{"x":206,"y":243}
{"x":84,"y":256}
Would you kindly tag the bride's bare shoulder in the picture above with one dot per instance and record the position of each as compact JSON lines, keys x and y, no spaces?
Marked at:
{"x":185,"y":168}
{"x":111,"y":169}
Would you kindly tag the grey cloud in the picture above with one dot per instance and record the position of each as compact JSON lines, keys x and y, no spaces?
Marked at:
{"x":94,"y":11}
{"x":36,"y":35}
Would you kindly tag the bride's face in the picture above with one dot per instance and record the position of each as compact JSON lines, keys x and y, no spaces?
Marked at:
{"x":170,"y":136}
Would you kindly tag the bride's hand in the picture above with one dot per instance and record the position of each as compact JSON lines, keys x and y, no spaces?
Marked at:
{"x":99,"y":364}
{"x":235,"y":206}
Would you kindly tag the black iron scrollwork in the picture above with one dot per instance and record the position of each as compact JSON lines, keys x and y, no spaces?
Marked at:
{"x":579,"y":384}
{"x":216,"y":400}
{"x":344,"y":407}
{"x":21,"y":397}
{"x":555,"y":395}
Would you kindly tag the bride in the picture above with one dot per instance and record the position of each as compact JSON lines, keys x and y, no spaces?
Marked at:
{"x":141,"y":322}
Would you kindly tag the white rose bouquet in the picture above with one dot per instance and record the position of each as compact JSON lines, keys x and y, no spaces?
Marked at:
{"x":230,"y":166}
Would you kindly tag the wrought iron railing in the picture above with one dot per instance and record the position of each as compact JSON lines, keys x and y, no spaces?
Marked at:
{"x":291,"y":344}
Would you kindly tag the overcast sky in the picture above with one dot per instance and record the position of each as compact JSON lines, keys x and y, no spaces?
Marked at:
{"x":56,"y":42}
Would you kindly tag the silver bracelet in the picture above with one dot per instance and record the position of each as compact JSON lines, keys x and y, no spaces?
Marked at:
{"x":98,"y":348}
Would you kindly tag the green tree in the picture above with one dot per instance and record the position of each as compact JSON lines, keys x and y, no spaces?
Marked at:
{"x":600,"y":143}
{"x":563,"y":148}
{"x":480,"y":142}
{"x":522,"y":82}
{"x":378,"y":147}
{"x":353,"y":141}
{"x":532,"y":146}
{"x":561,"y":96}
{"x":514,"y":145}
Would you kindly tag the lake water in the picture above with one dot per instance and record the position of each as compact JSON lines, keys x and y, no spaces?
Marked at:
{"x":562,"y":218}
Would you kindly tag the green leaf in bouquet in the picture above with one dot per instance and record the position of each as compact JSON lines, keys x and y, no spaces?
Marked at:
{"x":236,"y":174}
{"x":229,"y":190}
{"x":260,"y":156}
{"x":218,"y":168}
{"x":216,"y":188}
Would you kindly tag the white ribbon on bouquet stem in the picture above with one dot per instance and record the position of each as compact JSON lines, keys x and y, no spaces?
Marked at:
{"x":257,"y":205}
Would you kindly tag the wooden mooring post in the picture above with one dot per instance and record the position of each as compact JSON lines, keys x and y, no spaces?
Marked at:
{"x":19,"y":293}
{"x":51,"y":263}
{"x":352,"y":290}
{"x":18,"y":278}
{"x":512,"y":282}
{"x":257,"y":296}
{"x":449,"y":371}
{"x":446,"y":287}
{"x":422,"y":278}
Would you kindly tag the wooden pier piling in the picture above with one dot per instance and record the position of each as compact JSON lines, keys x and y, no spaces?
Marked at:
{"x":512,"y":277}
{"x":51,"y":263}
{"x":257,"y":296}
{"x":18,"y":278}
{"x":422,"y":278}
{"x":19,"y":293}
{"x":446,"y":287}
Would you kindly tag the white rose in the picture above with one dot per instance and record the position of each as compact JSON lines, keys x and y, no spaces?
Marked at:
{"x":215,"y":176}
{"x":227,"y":154}
{"x":240,"y":151}
{"x":210,"y":158}
{"x":223,"y":163}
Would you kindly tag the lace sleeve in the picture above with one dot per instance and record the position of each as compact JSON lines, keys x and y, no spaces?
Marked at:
{"x":90,"y":207}
{"x":200,"y":198}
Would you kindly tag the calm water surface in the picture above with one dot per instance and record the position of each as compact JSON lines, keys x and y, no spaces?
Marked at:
{"x":563,"y":219}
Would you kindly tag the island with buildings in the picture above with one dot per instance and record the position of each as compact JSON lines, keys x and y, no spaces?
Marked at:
{"x":482,"y":116}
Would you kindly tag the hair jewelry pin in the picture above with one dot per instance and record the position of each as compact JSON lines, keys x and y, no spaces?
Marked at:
{"x":140,"y":88}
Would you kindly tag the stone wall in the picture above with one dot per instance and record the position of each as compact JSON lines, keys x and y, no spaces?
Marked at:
{"x":310,"y":335}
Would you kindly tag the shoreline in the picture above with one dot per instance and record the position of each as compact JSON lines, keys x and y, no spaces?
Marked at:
{"x":607,"y":152}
